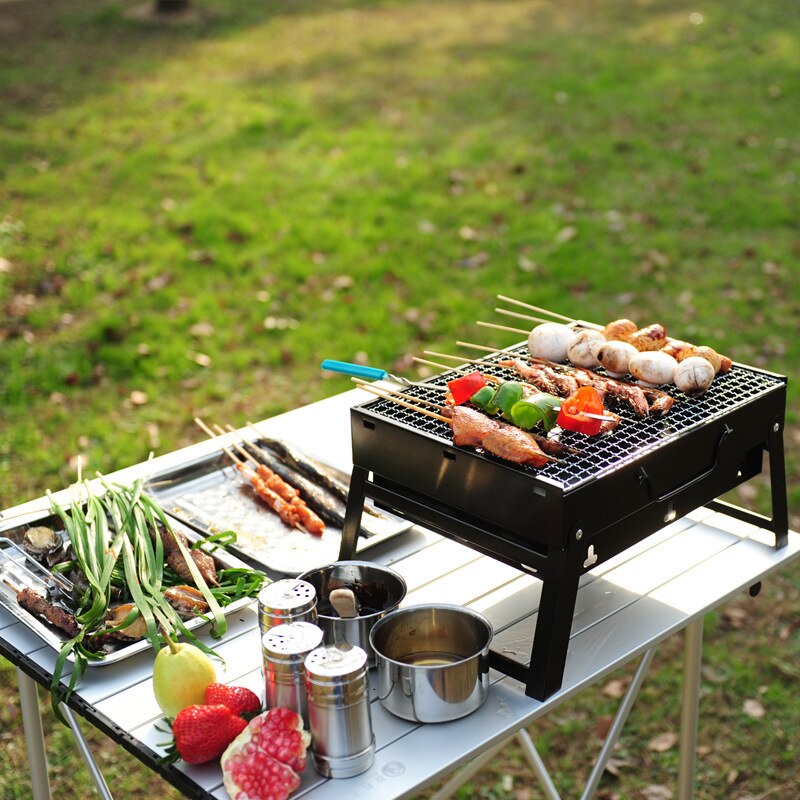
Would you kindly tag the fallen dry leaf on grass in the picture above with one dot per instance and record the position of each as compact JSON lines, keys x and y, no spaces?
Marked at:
{"x":735,"y":616}
{"x":753,"y":709}
{"x":616,"y":689}
{"x":663,"y":742}
{"x":603,"y":726}
{"x":138,"y":398}
{"x":656,"y":792}
{"x":201,"y":329}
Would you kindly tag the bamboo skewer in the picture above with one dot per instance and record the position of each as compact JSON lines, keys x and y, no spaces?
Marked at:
{"x":396,"y":393}
{"x":466,"y":361}
{"x":521,"y":316}
{"x":372,"y":390}
{"x":485,"y":348}
{"x":502,"y":327}
{"x":213,"y":435}
{"x":534,"y":308}
{"x":437,"y":364}
{"x":579,"y":322}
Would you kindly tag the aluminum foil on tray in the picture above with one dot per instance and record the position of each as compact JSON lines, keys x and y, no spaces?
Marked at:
{"x":211,"y":495}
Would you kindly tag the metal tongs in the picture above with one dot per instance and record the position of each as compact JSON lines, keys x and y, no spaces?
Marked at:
{"x":20,"y":571}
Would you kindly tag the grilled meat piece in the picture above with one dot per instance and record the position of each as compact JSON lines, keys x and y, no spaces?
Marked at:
{"x":660,"y":402}
{"x":626,"y":392}
{"x":174,"y":557}
{"x":513,"y":444}
{"x":620,"y":330}
{"x":469,"y":425}
{"x":40,"y":606}
{"x":471,"y":428}
{"x":653,"y":337}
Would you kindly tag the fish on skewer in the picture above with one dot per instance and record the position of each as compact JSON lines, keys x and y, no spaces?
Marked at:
{"x":309,"y":469}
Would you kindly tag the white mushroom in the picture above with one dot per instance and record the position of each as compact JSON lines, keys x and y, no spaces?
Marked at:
{"x":582,"y":350}
{"x":694,"y":375}
{"x":615,"y":357}
{"x":550,"y":340}
{"x":653,"y":367}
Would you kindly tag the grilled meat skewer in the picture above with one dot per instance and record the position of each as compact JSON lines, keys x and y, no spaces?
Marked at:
{"x":40,"y":606}
{"x":474,"y":429}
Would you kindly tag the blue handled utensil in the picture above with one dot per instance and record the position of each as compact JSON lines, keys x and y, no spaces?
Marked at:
{"x":363,"y":371}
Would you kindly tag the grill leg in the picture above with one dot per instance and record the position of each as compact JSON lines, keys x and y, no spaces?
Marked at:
{"x":352,"y":514}
{"x":553,"y":625}
{"x":777,"y":482}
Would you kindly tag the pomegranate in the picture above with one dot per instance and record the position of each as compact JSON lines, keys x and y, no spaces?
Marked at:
{"x":262,"y":762}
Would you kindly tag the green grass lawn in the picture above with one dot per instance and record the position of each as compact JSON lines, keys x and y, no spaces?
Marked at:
{"x":192,"y":216}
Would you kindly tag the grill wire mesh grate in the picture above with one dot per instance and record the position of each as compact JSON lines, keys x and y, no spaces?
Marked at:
{"x":633,"y":437}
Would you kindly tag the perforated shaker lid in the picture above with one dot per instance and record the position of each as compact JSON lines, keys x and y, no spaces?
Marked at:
{"x":330,"y":663}
{"x":289,"y":594}
{"x":292,"y":639}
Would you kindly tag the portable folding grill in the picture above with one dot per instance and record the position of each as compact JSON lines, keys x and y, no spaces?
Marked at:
{"x":560,"y":521}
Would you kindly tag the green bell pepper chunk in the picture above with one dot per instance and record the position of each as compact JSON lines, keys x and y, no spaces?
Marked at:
{"x":536,"y":409}
{"x":507,"y":395}
{"x":483,"y":399}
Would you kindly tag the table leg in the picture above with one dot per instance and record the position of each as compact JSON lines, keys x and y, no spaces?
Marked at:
{"x":467,"y":772}
{"x":34,"y":736}
{"x":97,"y":776}
{"x":692,"y":659}
{"x":535,"y":760}
{"x":619,"y":723}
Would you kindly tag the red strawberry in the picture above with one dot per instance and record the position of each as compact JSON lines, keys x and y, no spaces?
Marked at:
{"x":203,"y":732}
{"x":237,"y":698}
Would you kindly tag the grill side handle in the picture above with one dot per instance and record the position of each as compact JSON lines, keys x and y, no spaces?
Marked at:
{"x":645,"y":479}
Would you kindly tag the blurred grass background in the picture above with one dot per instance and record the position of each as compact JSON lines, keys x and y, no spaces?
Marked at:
{"x":194,"y":214}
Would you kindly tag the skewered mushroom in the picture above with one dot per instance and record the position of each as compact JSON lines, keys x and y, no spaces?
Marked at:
{"x":582,"y":350}
{"x":653,"y":367}
{"x":550,"y":340}
{"x":694,"y":375}
{"x":615,"y":357}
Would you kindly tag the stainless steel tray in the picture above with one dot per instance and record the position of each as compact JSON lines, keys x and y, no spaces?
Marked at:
{"x":211,"y":496}
{"x":11,"y":562}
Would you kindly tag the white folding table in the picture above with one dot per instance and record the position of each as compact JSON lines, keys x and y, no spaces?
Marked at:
{"x":625,"y":608}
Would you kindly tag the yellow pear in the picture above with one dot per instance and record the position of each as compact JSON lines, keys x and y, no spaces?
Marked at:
{"x":181,"y":673}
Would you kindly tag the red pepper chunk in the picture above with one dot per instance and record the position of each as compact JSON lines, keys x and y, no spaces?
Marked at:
{"x":463,"y":388}
{"x":572,"y":416}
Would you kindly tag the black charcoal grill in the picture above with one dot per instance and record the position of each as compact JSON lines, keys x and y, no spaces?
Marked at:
{"x":559,"y":521}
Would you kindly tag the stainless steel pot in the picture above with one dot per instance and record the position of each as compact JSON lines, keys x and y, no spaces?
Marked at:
{"x":432,"y":661}
{"x":378,"y":591}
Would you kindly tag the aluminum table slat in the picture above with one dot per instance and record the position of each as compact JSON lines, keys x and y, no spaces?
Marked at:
{"x":624,"y":606}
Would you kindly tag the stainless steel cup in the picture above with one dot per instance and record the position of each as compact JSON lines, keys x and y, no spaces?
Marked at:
{"x":370,"y":582}
{"x":288,"y":600}
{"x":432,"y":661}
{"x":284,"y":649}
{"x":338,"y":711}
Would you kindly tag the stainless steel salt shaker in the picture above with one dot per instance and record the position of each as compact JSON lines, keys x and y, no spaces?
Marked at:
{"x":288,"y":600}
{"x":284,"y":649}
{"x":338,"y":711}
